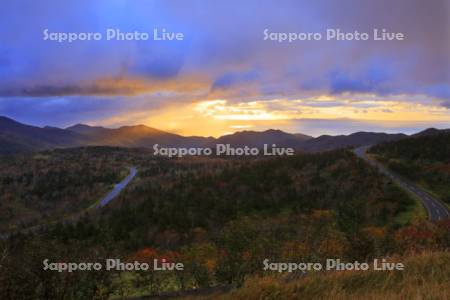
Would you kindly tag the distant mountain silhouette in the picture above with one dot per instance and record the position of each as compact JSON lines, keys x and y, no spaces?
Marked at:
{"x":18,"y":137}
{"x":259,"y":138}
{"x":135,"y":136}
{"x":328,"y":142}
{"x":88,"y":130}
{"x":431,"y":131}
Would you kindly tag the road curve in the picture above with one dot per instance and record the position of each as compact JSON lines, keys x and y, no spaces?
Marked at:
{"x":435,"y":209}
{"x":118,"y":188}
{"x":110,"y":196}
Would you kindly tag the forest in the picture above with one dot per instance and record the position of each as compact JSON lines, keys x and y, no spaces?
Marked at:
{"x":50,"y":185}
{"x":220,"y":217}
{"x":424,"y":160}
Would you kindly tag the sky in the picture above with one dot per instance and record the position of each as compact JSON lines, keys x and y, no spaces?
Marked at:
{"x":223,"y":76}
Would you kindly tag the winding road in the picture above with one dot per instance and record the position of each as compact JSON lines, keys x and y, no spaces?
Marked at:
{"x":435,"y":209}
{"x":110,"y":196}
{"x":118,"y":188}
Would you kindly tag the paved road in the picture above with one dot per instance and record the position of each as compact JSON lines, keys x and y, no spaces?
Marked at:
{"x":118,"y":188}
{"x":110,"y":196}
{"x":436,"y":210}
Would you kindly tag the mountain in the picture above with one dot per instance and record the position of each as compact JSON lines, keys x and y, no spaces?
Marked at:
{"x":87,"y":130}
{"x":430,"y":132}
{"x":304,"y":142}
{"x":259,"y":138}
{"x":429,"y":149}
{"x":302,"y":136}
{"x":18,"y":137}
{"x":328,"y":142}
{"x":136,"y":136}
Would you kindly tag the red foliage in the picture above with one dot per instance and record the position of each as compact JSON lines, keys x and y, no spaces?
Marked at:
{"x":144,"y":255}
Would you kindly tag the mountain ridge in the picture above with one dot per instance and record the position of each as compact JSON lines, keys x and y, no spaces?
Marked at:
{"x":19,"y":137}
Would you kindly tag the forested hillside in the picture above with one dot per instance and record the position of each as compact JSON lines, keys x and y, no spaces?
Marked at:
{"x":47,"y":186}
{"x":424,"y":159}
{"x":220,"y":217}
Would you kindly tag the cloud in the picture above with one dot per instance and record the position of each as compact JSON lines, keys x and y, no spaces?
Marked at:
{"x":223,"y":56}
{"x":108,"y":87}
{"x":68,"y":90}
{"x":375,"y":78}
{"x":230,"y":79}
{"x":441,"y":91}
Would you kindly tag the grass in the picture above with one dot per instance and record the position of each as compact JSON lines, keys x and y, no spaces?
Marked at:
{"x":426,"y":276}
{"x":414,"y":212}
{"x":438,"y":191}
{"x":436,"y":194}
{"x":127,"y":287}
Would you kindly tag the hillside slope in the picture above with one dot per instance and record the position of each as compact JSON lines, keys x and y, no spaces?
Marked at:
{"x":258,"y":139}
{"x":17,"y":137}
{"x":135,"y":136}
{"x":426,"y":276}
{"x":423,"y":158}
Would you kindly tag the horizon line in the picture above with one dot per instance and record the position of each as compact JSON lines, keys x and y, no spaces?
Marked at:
{"x":225,"y":134}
